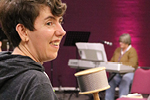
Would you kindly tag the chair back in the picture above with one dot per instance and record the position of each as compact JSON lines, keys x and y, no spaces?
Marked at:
{"x":141,"y":81}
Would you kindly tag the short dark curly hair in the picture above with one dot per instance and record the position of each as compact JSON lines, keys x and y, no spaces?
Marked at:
{"x":13,"y":12}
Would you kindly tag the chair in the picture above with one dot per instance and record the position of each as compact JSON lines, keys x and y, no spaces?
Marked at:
{"x":140,"y":84}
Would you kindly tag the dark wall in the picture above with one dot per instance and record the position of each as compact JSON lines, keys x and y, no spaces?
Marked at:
{"x":106,"y":20}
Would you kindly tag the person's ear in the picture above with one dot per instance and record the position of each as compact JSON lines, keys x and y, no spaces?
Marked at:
{"x":22,"y":31}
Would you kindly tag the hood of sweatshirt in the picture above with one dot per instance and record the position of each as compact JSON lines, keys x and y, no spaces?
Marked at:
{"x":12,"y":65}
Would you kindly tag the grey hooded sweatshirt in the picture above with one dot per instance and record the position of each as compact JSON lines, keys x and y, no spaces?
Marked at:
{"x":21,"y":78}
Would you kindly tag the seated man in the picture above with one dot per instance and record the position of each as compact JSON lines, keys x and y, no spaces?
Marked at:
{"x":128,"y":56}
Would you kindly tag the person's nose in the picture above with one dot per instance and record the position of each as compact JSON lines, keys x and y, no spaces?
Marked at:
{"x":60,"y":31}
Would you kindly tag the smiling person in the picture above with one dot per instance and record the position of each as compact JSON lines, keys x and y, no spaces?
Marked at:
{"x":34,"y":29}
{"x":128,"y":56}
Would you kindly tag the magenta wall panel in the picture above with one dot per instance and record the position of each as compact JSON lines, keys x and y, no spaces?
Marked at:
{"x":106,"y":20}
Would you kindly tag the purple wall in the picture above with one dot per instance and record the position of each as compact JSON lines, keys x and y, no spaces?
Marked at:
{"x":106,"y":20}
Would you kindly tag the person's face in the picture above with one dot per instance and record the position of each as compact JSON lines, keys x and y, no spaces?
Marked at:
{"x":45,"y":40}
{"x":123,"y":45}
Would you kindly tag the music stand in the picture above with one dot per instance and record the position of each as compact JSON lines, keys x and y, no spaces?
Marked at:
{"x":76,"y":36}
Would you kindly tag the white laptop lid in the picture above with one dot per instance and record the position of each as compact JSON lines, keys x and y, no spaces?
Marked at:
{"x":92,"y":51}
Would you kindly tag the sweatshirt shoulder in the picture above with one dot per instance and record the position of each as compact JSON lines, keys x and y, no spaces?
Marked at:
{"x":35,"y":75}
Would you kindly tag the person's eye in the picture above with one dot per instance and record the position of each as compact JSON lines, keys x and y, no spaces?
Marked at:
{"x":49,"y":23}
{"x":61,"y":21}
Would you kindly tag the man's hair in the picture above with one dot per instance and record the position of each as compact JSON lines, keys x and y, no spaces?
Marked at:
{"x":13,"y":12}
{"x":125,"y":38}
